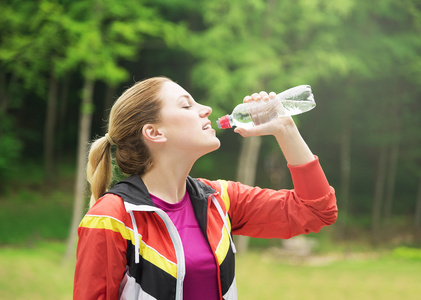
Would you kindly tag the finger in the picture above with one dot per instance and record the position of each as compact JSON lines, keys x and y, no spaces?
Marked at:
{"x":241,"y":131}
{"x":264,"y":95}
{"x":256,"y":97}
{"x":247,"y":99}
{"x":272,"y":95}
{"x":254,"y":131}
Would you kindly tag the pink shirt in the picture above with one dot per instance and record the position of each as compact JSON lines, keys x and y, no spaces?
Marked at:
{"x":201,"y":280}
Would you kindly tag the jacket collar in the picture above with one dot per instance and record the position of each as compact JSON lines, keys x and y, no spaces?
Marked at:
{"x":133,"y":190}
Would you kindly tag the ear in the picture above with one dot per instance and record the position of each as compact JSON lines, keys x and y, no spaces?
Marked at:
{"x":152,"y":133}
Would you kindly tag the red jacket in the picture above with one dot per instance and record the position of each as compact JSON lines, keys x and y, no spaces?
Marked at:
{"x":129,"y":249}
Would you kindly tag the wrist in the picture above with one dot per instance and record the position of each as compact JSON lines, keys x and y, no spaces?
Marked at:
{"x":285,"y":127}
{"x":292,"y":144}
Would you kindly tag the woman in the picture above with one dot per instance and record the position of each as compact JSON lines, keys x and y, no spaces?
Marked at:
{"x":161,"y":234}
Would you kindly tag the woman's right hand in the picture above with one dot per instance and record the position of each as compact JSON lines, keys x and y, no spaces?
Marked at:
{"x":272,"y":127}
{"x":285,"y":131}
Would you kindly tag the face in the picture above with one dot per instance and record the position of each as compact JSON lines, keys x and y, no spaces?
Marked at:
{"x":185,"y":122}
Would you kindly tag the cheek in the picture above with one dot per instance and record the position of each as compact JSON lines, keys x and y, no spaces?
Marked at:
{"x":183,"y":121}
{"x":182,"y":127}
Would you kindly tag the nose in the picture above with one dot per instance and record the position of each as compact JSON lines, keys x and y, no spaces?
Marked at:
{"x":205,"y":111}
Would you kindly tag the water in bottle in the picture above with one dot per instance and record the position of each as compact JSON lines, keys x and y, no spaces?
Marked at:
{"x":291,"y":102}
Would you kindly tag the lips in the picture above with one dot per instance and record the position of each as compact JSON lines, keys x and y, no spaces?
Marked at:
{"x":207,"y":126}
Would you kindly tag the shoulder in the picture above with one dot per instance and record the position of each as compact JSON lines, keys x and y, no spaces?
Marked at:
{"x":211,"y":183}
{"x":221,"y":186}
{"x":107,"y":216}
{"x":229,"y":186}
{"x":109,"y":205}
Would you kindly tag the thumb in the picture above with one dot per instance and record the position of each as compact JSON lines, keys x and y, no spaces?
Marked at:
{"x":254,"y":131}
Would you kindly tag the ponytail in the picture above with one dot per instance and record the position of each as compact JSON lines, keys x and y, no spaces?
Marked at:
{"x":99,"y":168}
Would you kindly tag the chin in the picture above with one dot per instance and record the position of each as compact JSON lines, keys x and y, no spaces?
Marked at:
{"x":217,"y":147}
{"x":217,"y":144}
{"x":214,"y":146}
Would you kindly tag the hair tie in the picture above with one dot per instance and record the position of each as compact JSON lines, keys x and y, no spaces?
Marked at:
{"x":109,"y":139}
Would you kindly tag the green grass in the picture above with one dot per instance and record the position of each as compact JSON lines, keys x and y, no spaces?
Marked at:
{"x":38,"y":273}
{"x":35,"y":273}
{"x":34,"y":211}
{"x":33,"y":216}
{"x":264,"y":276}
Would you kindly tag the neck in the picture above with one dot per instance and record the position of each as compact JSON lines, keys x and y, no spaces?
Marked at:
{"x":167,"y":181}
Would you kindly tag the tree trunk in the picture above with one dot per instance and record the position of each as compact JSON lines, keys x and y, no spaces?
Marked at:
{"x":62,"y":110}
{"x":6,"y":90}
{"x":417,"y":221}
{"x":108,"y":103}
{"x":49,"y":128}
{"x":390,"y":187}
{"x":246,"y":173}
{"x":378,"y":193}
{"x":85,"y":116}
{"x":277,"y":169}
{"x":2,"y":91}
{"x":395,"y":128}
{"x":345,"y":158}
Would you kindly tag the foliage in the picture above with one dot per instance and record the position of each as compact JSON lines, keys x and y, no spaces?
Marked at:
{"x":10,"y":149}
{"x":358,"y":56}
{"x":361,"y":58}
{"x":250,"y":45}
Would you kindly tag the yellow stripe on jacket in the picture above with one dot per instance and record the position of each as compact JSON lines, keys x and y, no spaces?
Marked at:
{"x":148,"y":253}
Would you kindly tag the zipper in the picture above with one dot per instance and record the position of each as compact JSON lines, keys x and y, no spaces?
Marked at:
{"x":175,"y":238}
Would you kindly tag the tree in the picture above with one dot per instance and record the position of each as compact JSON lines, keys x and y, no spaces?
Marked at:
{"x":361,"y":58}
{"x":12,"y":41}
{"x":417,"y":218}
{"x":395,"y":45}
{"x":33,"y":52}
{"x":248,"y":46}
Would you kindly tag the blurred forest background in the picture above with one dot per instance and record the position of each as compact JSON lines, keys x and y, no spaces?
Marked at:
{"x":63,"y":63}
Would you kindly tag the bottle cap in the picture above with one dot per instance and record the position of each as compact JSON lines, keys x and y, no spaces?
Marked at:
{"x":223,"y":122}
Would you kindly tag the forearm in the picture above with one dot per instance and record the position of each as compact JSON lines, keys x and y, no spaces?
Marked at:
{"x":293,"y":146}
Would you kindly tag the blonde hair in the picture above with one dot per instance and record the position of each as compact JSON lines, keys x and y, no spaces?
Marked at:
{"x":137,"y":106}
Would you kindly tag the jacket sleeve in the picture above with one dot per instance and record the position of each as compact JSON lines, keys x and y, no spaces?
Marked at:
{"x":266,"y":213}
{"x":101,"y":253}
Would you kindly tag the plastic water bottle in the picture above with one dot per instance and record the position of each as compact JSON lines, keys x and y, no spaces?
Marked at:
{"x":291,"y":102}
